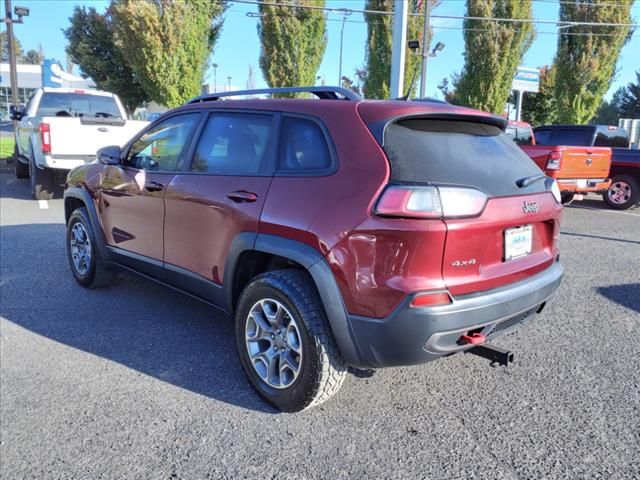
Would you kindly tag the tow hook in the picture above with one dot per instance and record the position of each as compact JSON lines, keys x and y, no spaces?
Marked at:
{"x":496,"y":355}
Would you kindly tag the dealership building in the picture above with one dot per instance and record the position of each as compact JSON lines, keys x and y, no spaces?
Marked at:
{"x":31,"y":77}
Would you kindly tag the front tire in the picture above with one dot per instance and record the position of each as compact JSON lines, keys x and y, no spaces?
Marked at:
{"x":623,"y":192}
{"x":286,"y":347}
{"x":87,"y":267}
{"x":567,"y":198}
{"x":20,"y":169}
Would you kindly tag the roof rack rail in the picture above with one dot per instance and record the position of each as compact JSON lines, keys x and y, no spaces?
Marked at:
{"x":323,"y":93}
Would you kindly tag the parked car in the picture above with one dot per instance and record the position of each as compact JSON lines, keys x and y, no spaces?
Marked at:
{"x":61,"y":128}
{"x":577,"y":169}
{"x":520,"y":132}
{"x":337,"y":232}
{"x":624,"y":190}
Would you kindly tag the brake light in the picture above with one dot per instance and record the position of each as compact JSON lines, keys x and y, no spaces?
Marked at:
{"x":430,"y":202}
{"x":45,"y":138}
{"x":430,"y":300}
{"x":553,"y":161}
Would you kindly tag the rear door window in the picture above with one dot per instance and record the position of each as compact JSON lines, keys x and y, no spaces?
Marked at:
{"x":234,"y":144}
{"x":451,"y":152}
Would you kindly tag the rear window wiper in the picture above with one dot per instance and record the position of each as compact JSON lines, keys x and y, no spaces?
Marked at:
{"x":526,"y":181}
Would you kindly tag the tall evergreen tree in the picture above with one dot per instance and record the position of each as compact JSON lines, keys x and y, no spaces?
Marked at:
{"x":92,"y":46}
{"x":379,"y":45}
{"x":168,"y":44}
{"x":540,"y":108}
{"x":292,"y":41}
{"x":586,"y":63}
{"x":630,"y":99}
{"x":493,"y":52}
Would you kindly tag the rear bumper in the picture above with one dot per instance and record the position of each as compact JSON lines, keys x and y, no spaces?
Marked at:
{"x":583,"y":185}
{"x":417,"y":335}
{"x":66,"y":162}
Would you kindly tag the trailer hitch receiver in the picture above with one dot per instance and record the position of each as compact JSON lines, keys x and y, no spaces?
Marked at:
{"x":496,"y":355}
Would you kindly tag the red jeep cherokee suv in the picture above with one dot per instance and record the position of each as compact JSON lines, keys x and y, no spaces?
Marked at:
{"x":338,"y":232}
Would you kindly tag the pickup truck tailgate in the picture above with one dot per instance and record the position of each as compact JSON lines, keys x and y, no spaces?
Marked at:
{"x":585,"y":162}
{"x":73,"y":137}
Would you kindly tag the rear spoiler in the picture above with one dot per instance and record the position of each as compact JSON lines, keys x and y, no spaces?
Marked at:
{"x":377,"y":129}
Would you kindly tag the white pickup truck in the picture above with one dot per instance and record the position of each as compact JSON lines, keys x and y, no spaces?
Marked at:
{"x":61,"y":128}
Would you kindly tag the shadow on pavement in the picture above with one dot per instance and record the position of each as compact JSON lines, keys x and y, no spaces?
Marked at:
{"x":627,"y":295}
{"x":141,"y":325}
{"x":600,"y":237}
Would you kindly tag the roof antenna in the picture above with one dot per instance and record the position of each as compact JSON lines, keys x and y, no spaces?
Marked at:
{"x":414,"y":45}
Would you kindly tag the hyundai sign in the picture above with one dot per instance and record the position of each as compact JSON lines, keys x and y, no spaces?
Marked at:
{"x":51,"y":73}
{"x":526,"y":80}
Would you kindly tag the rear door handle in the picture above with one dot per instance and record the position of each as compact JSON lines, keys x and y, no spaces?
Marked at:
{"x":154,"y":186}
{"x":242,"y":197}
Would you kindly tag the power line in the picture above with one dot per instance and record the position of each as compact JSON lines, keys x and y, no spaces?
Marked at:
{"x":450,"y":17}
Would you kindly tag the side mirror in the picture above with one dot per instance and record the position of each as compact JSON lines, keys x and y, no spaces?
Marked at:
{"x":109,"y":155}
{"x":16,"y":113}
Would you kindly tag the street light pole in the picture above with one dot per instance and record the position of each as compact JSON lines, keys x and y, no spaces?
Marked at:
{"x":425,"y":49}
{"x":400,"y":18}
{"x":215,"y":84}
{"x":229,"y":80}
{"x":345,"y":13}
{"x":13,"y":74}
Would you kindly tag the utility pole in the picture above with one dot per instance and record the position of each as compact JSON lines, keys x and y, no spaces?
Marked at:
{"x":400,"y":18}
{"x":13,"y":74}
{"x":425,"y":49}
{"x":345,"y":13}
{"x":215,"y":84}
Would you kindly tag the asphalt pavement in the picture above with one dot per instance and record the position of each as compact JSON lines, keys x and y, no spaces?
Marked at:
{"x":138,"y":381}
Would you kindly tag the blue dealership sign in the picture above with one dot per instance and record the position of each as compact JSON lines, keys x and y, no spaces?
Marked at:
{"x":51,"y":73}
{"x":526,"y":80}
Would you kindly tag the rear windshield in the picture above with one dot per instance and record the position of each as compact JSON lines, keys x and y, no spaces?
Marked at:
{"x":612,"y":137}
{"x":78,"y":105}
{"x":455,"y":152}
{"x":577,"y":137}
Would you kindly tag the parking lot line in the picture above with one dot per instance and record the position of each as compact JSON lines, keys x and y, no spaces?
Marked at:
{"x":43,"y":204}
{"x":603,"y":210}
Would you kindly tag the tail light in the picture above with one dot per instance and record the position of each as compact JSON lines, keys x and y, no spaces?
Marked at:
{"x":553,"y":162}
{"x":430,"y":202}
{"x":45,"y":138}
{"x":555,"y":190}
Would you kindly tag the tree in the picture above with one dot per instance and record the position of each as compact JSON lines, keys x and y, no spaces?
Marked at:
{"x":586,"y":63}
{"x":34,"y":57}
{"x":292,"y":43}
{"x":493,"y":52}
{"x":92,"y":46}
{"x":630,"y":99}
{"x":379,"y":44}
{"x":609,"y":111}
{"x":168,"y":44}
{"x":540,"y":108}
{"x":5,"y":47}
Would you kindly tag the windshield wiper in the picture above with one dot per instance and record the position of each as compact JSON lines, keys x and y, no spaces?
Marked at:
{"x":526,"y":181}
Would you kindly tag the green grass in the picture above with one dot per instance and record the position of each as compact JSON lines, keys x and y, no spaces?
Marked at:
{"x":6,"y":147}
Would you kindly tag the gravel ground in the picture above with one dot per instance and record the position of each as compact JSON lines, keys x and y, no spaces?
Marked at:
{"x":138,"y":381}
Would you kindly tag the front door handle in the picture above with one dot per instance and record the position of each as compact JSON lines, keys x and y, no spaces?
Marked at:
{"x":154,"y":186}
{"x":242,"y":197}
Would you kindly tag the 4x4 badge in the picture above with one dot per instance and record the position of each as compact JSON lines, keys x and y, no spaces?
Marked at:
{"x":530,"y":207}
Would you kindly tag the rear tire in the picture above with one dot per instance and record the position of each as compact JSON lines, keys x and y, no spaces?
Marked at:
{"x":42,"y":184}
{"x":567,"y":198}
{"x":21,"y":170}
{"x":623,"y":193}
{"x":295,"y":333}
{"x":83,"y":254}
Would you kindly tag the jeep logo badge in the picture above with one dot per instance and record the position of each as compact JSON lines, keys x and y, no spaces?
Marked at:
{"x":530,"y":207}
{"x":588,"y":161}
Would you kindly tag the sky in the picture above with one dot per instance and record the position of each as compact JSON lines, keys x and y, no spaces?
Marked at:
{"x":238,"y":45}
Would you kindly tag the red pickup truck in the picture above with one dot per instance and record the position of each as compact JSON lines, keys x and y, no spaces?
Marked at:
{"x":578,"y":170}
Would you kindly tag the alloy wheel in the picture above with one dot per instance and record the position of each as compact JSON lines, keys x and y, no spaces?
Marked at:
{"x":80,"y":248}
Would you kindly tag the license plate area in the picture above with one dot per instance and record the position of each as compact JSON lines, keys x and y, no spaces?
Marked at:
{"x":517,"y":242}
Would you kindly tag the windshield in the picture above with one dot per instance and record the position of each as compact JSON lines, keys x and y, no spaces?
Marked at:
{"x":452,"y":152}
{"x":78,"y":105}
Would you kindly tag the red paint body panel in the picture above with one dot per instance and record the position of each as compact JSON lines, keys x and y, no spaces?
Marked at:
{"x":482,"y":239}
{"x":201,"y":221}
